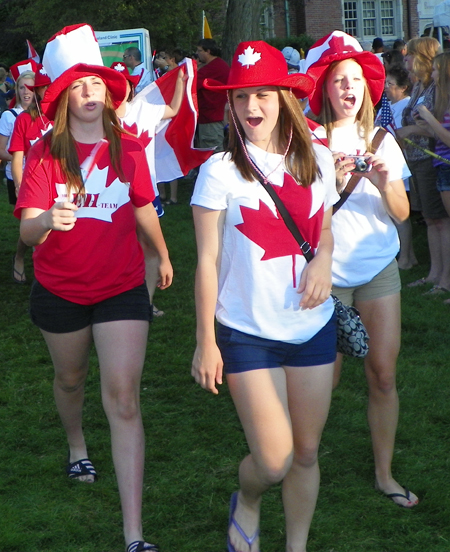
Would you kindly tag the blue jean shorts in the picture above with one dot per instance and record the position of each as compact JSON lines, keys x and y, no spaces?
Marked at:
{"x":443,"y":178}
{"x":242,"y":352}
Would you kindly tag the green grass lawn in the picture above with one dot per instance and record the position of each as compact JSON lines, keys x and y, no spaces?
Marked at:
{"x":194,"y":439}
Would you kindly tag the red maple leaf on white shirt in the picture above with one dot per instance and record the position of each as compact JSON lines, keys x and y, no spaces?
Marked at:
{"x":269,"y":231}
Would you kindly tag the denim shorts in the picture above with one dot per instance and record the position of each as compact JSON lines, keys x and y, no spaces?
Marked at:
{"x":242,"y":352}
{"x":54,"y":314}
{"x":443,"y":178}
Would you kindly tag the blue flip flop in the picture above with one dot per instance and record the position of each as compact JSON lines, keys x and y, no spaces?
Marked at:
{"x":232,"y":521}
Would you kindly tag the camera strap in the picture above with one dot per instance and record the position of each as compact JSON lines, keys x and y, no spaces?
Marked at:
{"x":353,"y":182}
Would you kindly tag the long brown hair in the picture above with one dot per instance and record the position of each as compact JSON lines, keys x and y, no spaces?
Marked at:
{"x":424,"y":50}
{"x":63,"y":147}
{"x":364,"y":117}
{"x":300,"y":159}
{"x":442,"y":103}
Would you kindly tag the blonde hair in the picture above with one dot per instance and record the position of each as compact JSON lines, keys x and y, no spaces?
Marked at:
{"x":63,"y":147}
{"x":424,"y":50}
{"x":21,"y":77}
{"x":364,"y":117}
{"x":300,"y":158}
{"x":442,"y":103}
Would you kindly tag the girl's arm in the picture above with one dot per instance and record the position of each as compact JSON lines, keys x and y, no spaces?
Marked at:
{"x":392,"y":192}
{"x":4,"y":154}
{"x":315,"y":283}
{"x":36,"y":224}
{"x":17,"y":169}
{"x":407,"y":131}
{"x":433,"y":125}
{"x":172,"y":109}
{"x":149,"y":230}
{"x":207,"y":363}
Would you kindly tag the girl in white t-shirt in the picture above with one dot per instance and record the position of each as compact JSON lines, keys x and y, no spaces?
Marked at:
{"x":365,"y":273}
{"x":276,"y":335}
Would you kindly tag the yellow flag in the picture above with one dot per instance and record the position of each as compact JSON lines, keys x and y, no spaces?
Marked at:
{"x":206,"y":30}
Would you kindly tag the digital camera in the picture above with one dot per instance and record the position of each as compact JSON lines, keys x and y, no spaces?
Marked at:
{"x":361,"y":164}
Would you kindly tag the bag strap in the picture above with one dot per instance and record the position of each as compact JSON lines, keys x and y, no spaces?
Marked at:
{"x":353,"y":182}
{"x":285,"y":215}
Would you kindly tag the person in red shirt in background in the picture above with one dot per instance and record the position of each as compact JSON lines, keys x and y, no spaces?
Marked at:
{"x":211,"y":105}
{"x":30,"y":126}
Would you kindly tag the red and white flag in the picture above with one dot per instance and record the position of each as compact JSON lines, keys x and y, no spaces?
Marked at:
{"x":32,"y":54}
{"x":175,"y":154}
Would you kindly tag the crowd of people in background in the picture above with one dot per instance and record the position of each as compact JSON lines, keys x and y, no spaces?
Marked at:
{"x":294,"y":120}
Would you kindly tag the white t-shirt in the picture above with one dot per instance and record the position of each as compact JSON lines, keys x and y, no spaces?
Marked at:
{"x":261,"y":263}
{"x":7,"y":122}
{"x":365,"y":238}
{"x":141,"y":119}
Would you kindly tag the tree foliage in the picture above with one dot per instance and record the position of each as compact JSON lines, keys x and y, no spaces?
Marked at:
{"x":177,"y":24}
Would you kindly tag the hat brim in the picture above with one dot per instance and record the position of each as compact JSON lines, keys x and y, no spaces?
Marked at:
{"x":34,"y":86}
{"x":301,"y":85}
{"x":115,"y":82}
{"x":372,"y":68}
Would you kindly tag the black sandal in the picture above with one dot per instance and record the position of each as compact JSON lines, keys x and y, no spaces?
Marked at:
{"x":81,"y":468}
{"x":141,"y":546}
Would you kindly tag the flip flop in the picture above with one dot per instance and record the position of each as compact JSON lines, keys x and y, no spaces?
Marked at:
{"x":232,"y":521}
{"x":400,"y":495}
{"x":18,"y":277}
{"x":419,"y":282}
{"x":436,"y":290}
{"x":157,"y":312}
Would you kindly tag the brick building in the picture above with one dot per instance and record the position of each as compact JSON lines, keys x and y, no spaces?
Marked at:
{"x":364,"y":19}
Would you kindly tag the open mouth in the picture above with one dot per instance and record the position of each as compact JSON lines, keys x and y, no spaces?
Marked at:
{"x":254,"y":121}
{"x":350,"y":100}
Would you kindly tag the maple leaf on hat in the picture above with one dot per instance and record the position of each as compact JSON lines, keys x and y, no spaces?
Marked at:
{"x":119,"y":67}
{"x":249,"y":57}
{"x":337,"y":45}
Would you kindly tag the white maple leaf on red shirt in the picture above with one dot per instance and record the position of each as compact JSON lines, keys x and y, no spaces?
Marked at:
{"x":249,"y":57}
{"x":101,"y":199}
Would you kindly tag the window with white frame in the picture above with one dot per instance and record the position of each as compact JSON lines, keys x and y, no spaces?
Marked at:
{"x":371,"y":18}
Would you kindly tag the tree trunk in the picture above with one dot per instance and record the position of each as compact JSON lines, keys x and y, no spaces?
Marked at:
{"x":242,"y":23}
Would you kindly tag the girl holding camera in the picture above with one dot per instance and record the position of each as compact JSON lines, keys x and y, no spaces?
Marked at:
{"x":349,"y":82}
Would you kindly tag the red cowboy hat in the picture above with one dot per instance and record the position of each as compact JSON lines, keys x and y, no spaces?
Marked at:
{"x":338,"y":46}
{"x":256,"y":63}
{"x":122,"y":68}
{"x":74,"y":53}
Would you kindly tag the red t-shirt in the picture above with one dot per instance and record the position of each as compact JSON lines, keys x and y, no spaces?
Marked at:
{"x":27,"y":132}
{"x":211,"y":105}
{"x":101,"y":256}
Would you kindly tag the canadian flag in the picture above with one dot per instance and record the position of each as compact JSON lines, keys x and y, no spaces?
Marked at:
{"x":175,"y":154}
{"x":32,"y":54}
